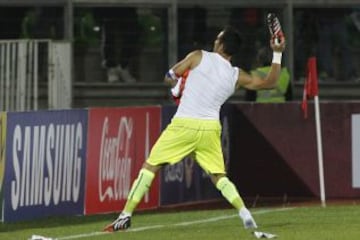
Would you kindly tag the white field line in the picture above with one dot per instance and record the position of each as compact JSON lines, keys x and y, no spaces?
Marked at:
{"x":140,"y":229}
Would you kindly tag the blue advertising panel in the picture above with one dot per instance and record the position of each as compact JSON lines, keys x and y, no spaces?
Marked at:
{"x":45,"y":164}
{"x":2,"y":157}
{"x":184,"y":182}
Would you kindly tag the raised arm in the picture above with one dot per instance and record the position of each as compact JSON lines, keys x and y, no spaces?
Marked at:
{"x":255,"y":82}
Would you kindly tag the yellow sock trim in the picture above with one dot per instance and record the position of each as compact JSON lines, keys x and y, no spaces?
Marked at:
{"x":229,"y":191}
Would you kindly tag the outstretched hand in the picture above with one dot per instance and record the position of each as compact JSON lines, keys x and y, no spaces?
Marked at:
{"x":277,"y":43}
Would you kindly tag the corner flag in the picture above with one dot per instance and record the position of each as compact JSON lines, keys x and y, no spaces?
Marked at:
{"x":311,"y":90}
{"x":311,"y":84}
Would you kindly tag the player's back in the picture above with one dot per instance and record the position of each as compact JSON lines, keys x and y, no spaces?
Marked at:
{"x":207,"y":87}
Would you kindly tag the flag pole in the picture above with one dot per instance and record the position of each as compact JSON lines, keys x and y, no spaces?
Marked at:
{"x":320,"y":151}
{"x":311,"y":90}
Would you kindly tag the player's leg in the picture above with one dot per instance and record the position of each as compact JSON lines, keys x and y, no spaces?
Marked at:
{"x":138,"y":189}
{"x":231,"y":194}
{"x":170,"y":148}
{"x":210,"y":158}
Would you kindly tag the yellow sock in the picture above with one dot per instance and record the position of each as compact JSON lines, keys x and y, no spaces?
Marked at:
{"x":229,"y":191}
{"x":130,"y":206}
{"x":140,"y":186}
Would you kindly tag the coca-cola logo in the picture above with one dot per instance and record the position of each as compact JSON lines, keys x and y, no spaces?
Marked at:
{"x":115,"y":160}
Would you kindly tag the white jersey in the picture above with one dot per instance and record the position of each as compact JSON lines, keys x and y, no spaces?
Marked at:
{"x":207,"y":87}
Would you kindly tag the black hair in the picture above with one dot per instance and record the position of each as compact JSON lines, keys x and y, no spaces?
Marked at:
{"x":231,"y":41}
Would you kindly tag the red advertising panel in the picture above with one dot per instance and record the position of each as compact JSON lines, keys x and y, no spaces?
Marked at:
{"x":286,"y":158}
{"x":119,"y":141}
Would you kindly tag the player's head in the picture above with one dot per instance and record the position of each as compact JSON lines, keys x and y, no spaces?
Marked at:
{"x":228,"y":41}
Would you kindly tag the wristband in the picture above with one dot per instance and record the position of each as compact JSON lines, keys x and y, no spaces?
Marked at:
{"x":277,"y":57}
{"x":171,"y":74}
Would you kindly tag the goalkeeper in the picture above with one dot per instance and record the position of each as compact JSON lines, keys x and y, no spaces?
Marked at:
{"x":195,"y":127}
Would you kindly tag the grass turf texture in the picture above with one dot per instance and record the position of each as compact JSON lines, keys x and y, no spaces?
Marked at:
{"x":300,"y":223}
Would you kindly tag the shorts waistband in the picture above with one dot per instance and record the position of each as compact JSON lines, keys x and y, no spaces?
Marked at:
{"x":203,"y":124}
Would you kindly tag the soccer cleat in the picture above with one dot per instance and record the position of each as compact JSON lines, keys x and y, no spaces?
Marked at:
{"x":123,"y":222}
{"x":274,"y":27}
{"x":249,"y":223}
{"x":264,"y":235}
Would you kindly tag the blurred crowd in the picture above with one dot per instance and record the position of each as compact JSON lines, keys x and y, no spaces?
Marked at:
{"x":129,"y":44}
{"x":333,"y":36}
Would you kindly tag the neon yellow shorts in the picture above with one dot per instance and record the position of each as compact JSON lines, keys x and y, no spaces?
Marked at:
{"x":185,"y":136}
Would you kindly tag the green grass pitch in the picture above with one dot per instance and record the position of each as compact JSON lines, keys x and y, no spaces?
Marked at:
{"x":295,"y":223}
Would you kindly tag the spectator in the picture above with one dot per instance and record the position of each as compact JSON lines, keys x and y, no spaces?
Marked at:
{"x":282,"y":90}
{"x":120,"y":38}
{"x":192,"y":29}
{"x":305,"y":36}
{"x":43,"y":23}
{"x":333,"y":40}
{"x":11,"y":21}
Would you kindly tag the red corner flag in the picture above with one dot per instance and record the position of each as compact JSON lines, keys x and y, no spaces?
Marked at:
{"x":311,"y":84}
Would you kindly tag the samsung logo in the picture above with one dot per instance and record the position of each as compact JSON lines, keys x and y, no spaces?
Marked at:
{"x":46,"y":164}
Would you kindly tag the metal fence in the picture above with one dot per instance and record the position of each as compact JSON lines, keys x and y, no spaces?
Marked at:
{"x":26,"y":65}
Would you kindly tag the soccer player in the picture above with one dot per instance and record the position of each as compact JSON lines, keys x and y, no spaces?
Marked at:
{"x":195,"y":127}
